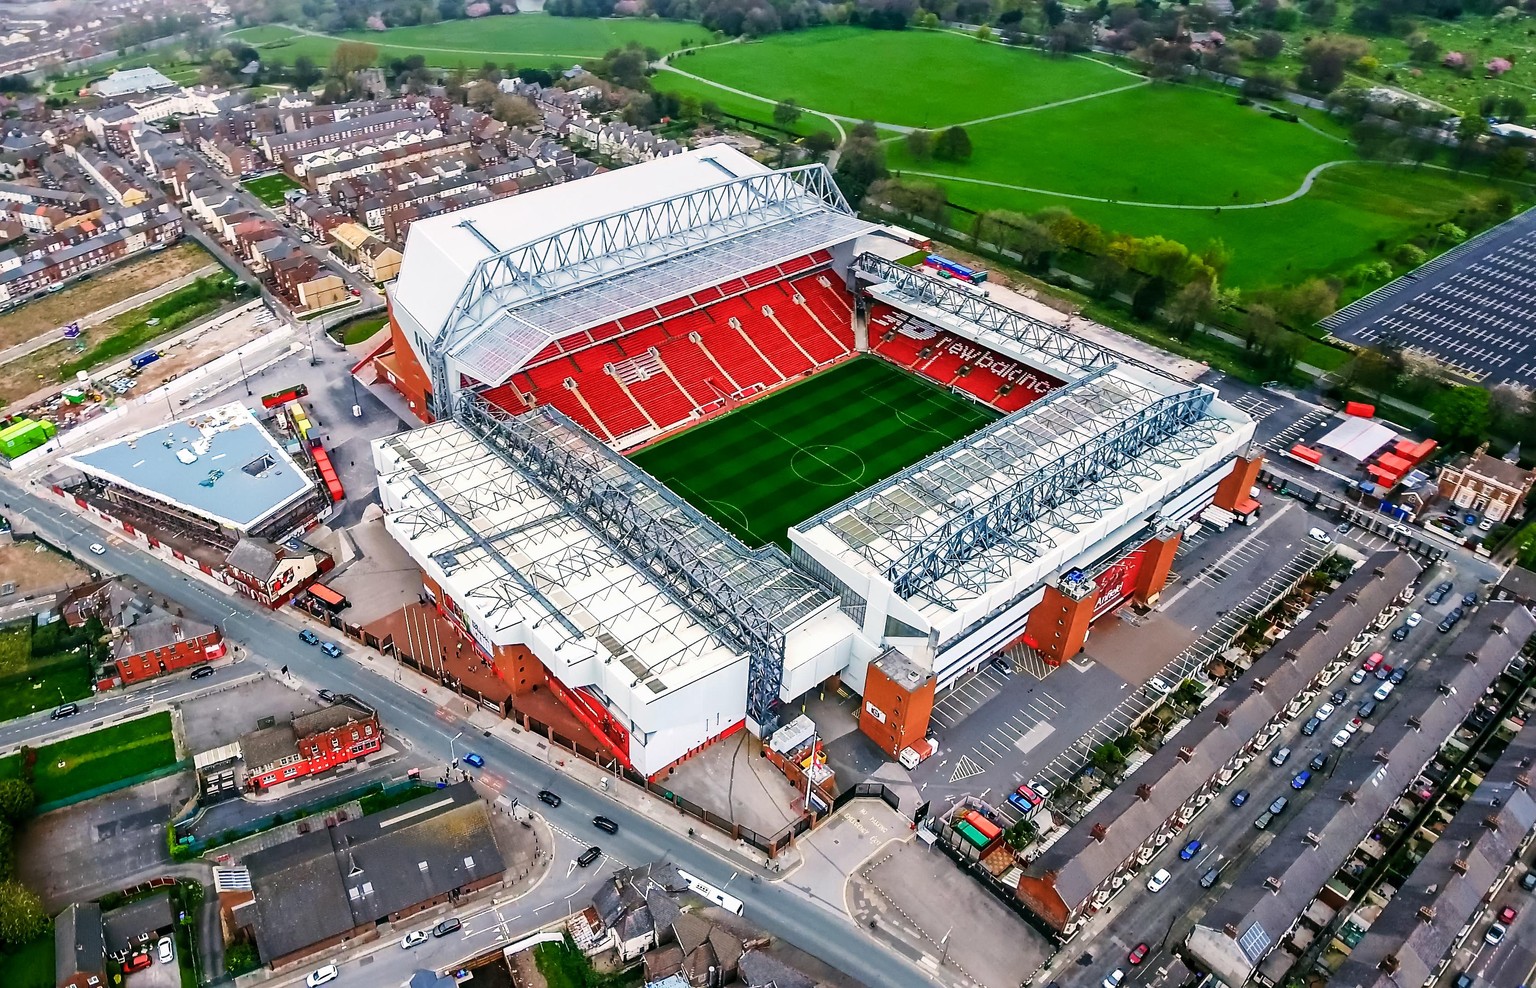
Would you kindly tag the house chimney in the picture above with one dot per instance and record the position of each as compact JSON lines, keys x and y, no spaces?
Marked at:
{"x":1143,"y":792}
{"x":1321,"y":626}
{"x":1099,"y":832}
{"x":1352,"y":597}
{"x":1471,"y":658}
{"x":1348,"y":796}
{"x":1310,"y":838}
{"x":1389,"y":964}
{"x":1258,"y":685}
{"x":1459,"y":866}
{"x":1224,"y":717}
{"x":1523,"y":781}
{"x":1427,"y":914}
{"x":1381,"y":756}
{"x":1290,"y":653}
{"x":1378,"y":572}
{"x":1272,"y":883}
{"x":1498,"y":627}
{"x":1415,"y":723}
{"x":1186,"y":753}
{"x":1491,"y":821}
{"x":1230,"y":931}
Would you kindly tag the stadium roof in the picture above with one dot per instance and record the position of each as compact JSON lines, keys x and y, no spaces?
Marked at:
{"x":220,"y":464}
{"x":524,"y":550}
{"x":491,"y":285}
{"x":124,"y":82}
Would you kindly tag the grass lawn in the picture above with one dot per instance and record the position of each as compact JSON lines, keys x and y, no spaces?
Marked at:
{"x":31,"y":965}
{"x":30,"y":682}
{"x":532,"y":40}
{"x":361,"y":328}
{"x":90,"y":761}
{"x":912,"y":78}
{"x":734,"y":104}
{"x":780,"y":459}
{"x":270,"y":188}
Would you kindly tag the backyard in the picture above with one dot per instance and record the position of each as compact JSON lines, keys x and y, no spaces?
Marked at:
{"x":270,"y":188}
{"x":43,"y":667}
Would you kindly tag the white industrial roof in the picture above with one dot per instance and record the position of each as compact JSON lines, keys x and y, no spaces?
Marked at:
{"x":125,"y":81}
{"x":1358,"y":437}
{"x":442,"y":251}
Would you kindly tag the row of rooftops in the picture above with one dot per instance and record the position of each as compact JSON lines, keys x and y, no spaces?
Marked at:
{"x":114,"y":227}
{"x":1266,"y":899}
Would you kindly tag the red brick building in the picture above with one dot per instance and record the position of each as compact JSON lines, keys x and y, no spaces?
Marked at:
{"x":147,"y":640}
{"x":311,"y":743}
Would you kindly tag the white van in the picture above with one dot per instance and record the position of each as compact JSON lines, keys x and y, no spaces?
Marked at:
{"x":1318,"y":535}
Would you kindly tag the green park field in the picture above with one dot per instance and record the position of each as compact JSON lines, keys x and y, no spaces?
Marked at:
{"x":87,"y":762}
{"x":271,"y":188}
{"x":783,"y":458}
{"x":526,"y":39}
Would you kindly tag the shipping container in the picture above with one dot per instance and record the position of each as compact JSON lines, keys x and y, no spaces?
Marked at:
{"x":983,"y":826}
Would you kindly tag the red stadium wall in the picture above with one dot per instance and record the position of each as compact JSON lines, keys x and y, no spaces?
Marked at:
{"x":994,"y":378}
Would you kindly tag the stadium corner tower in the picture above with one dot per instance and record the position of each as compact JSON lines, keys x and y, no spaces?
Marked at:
{"x":540,"y":337}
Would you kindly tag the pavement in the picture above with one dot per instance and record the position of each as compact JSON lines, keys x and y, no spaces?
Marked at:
{"x":518,"y":765}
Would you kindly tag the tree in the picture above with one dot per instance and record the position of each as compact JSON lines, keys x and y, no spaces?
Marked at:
{"x":16,"y":800}
{"x":305,"y":72}
{"x":953,"y":144}
{"x":1513,"y":108}
{"x":1323,"y":65}
{"x":1268,"y":45}
{"x":819,"y":142}
{"x":984,"y":33}
{"x":920,"y":144}
{"x":910,"y":200}
{"x":22,"y":918}
{"x":351,"y":56}
{"x":785,"y":113}
{"x":861,"y":164}
{"x":1309,"y":301}
{"x":481,"y":96}
{"x":1191,"y":304}
{"x":514,"y":111}
{"x":1462,"y":414}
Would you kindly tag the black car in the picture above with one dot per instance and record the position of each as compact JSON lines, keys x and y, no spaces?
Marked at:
{"x":328,"y":696}
{"x":1317,"y":762}
{"x":1438,"y":594}
{"x":201,"y":672}
{"x":1339,"y":696}
{"x":603,"y":823}
{"x":68,"y":710}
{"x":1366,"y":708}
{"x":590,"y":855}
{"x":1400,"y":633}
{"x":1311,"y":726}
{"x":1451,"y":619}
{"x":446,"y":927}
{"x":309,"y":637}
{"x":548,"y":798}
{"x":1469,"y":599}
{"x":1398,"y":675}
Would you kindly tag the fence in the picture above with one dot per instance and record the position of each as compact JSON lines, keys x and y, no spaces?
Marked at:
{"x":198,"y":846}
{"x":114,"y":786}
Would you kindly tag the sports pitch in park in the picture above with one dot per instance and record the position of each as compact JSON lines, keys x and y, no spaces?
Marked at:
{"x":783,"y":458}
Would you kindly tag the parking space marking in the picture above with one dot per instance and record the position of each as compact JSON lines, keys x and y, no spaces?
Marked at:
{"x":964,"y":769}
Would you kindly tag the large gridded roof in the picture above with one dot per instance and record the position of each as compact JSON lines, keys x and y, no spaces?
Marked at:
{"x":502,"y":344}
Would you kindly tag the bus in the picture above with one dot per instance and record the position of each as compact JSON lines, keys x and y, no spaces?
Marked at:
{"x":328,"y":598}
{"x":718,"y":896}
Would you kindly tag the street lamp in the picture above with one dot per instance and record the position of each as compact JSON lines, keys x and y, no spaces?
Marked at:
{"x":240,"y":359}
{"x":452,"y":754}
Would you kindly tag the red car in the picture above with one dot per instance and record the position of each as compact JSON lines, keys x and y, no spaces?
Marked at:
{"x":1372,"y":662}
{"x":137,"y":962}
{"x":1139,"y":954}
{"x":1507,"y":915}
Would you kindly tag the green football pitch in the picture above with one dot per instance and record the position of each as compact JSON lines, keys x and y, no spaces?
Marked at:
{"x":781,"y":459}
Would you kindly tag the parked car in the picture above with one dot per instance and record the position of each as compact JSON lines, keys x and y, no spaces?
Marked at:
{"x":309,"y":637}
{"x":201,"y":672}
{"x":322,"y":976}
{"x":1318,"y":535}
{"x":1318,"y":761}
{"x":1211,"y":874}
{"x":1438,"y":594}
{"x":1339,"y":697}
{"x":1325,"y":711}
{"x":67,"y":710}
{"x":1398,"y":675}
{"x":1357,"y":677}
{"x":1280,"y":757}
{"x":166,"y":950}
{"x":415,"y":938}
{"x":1401,"y":633}
{"x":1469,"y":599}
{"x":1366,"y":708}
{"x":1373,"y":663}
{"x":1263,"y":821}
{"x":1311,"y":726}
{"x":1354,"y":725}
{"x":1138,"y":953}
{"x":548,"y":798}
{"x":1301,"y":779}
{"x":605,"y":824}
{"x":447,"y":926}
{"x":1384,"y":690}
{"x":1450,"y":620}
{"x":98,"y":549}
{"x":328,"y":696}
{"x":1240,"y":797}
{"x":138,"y":962}
{"x":1414,"y":619}
{"x":1342,"y":738}
{"x":1495,"y":934}
{"x":1279,"y":805}
{"x":590,"y":855}
{"x":1190,"y":850}
{"x":331,"y":648}
{"x":1528,"y":881}
{"x":1115,"y":979}
{"x":1161,"y":878}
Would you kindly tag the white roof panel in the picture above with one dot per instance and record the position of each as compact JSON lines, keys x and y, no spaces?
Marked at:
{"x":1358,"y":437}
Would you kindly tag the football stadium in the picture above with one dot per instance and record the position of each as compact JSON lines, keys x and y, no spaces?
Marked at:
{"x":698,"y":439}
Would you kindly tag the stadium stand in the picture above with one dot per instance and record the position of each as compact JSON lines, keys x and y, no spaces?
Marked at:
{"x":986,"y":375}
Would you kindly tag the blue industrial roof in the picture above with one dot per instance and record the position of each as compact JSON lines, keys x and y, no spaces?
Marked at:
{"x":220,"y":464}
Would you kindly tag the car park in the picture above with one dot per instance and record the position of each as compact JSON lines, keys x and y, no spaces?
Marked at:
{"x":1438,"y":594}
{"x":1318,"y":761}
{"x":1138,"y":953}
{"x":165,"y":950}
{"x":1310,"y":727}
{"x":1342,"y":738}
{"x":1279,"y":805}
{"x":1280,"y":757}
{"x":605,"y":824}
{"x":308,"y":637}
{"x":590,"y":855}
{"x":474,"y":761}
{"x":67,"y":710}
{"x":548,"y":798}
{"x":1366,"y":708}
{"x":201,"y":672}
{"x":447,"y":926}
{"x":321,"y":976}
{"x":1240,"y":797}
{"x":1159,"y":880}
{"x":1301,"y":779}
{"x":414,"y":939}
{"x":1190,"y":850}
{"x":1384,"y":690}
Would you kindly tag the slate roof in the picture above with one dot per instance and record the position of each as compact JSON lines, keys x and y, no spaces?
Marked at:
{"x":1081,"y":863}
{"x":79,"y":946}
{"x":126,"y":924}
{"x":325,"y":883}
{"x":1258,"y":915}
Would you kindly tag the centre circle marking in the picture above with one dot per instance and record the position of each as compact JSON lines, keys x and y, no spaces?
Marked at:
{"x":827,"y":465}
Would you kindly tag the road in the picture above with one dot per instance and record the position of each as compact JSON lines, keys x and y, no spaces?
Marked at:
{"x":777,"y":908}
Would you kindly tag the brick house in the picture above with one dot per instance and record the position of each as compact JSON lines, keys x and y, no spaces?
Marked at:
{"x":306,"y":283}
{"x":147,"y":640}
{"x":310,"y":743}
{"x":1493,"y":488}
{"x":268,"y":574}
